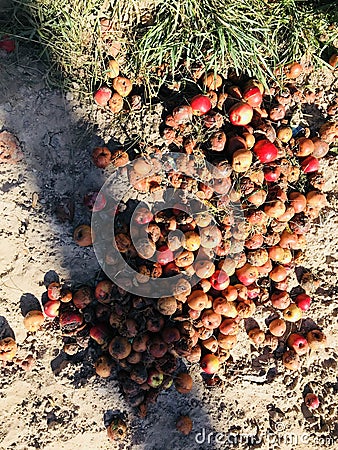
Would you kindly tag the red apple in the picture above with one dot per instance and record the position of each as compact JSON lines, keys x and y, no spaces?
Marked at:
{"x":298,"y":343}
{"x":253,"y":96}
{"x":164,"y":255}
{"x":200,"y":105}
{"x":210,"y":363}
{"x":219,"y":280}
{"x":7,"y":44}
{"x":155,"y":378}
{"x":240,"y":114}
{"x":310,"y":164}
{"x":143,"y":215}
{"x":171,"y":269}
{"x":272,"y":172}
{"x":102,"y":96}
{"x":247,"y":274}
{"x":70,"y":320}
{"x":51,"y":308}
{"x":101,"y":333}
{"x":311,"y":401}
{"x":303,"y":301}
{"x":265,"y":151}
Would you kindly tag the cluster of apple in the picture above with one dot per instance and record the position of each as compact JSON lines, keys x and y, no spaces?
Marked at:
{"x":115,"y":95}
{"x":228,"y":266}
{"x":216,"y":289}
{"x":132,"y":339}
{"x":274,"y":172}
{"x":245,"y":133}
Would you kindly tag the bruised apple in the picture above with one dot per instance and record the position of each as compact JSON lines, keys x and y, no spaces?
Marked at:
{"x":210,"y":363}
{"x":247,"y":274}
{"x":241,"y":160}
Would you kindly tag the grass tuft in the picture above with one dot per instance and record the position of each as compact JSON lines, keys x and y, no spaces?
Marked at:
{"x":251,"y":36}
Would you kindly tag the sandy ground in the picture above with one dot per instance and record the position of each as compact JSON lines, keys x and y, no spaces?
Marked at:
{"x":62,"y":405}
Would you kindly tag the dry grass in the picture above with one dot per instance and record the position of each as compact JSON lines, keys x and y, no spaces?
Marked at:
{"x":253,"y":36}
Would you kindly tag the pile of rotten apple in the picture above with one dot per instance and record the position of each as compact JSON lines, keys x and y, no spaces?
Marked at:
{"x":118,"y":95}
{"x":240,"y":265}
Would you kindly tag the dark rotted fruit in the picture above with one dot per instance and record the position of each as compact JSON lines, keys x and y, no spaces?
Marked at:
{"x":195,"y":354}
{"x":183,"y":346}
{"x":300,"y":224}
{"x":187,"y":328}
{"x":83,"y":235}
{"x":316,"y":339}
{"x":168,"y":364}
{"x":103,"y":291}
{"x":157,"y":348}
{"x":83,"y":297}
{"x":155,"y":324}
{"x":102,"y":312}
{"x":167,"y":305}
{"x":103,"y":366}
{"x":66,"y":295}
{"x":184,"y":425}
{"x":101,"y":157}
{"x":128,"y":328}
{"x":71,"y":320}
{"x":119,"y":347}
{"x":134,"y":357}
{"x":136,"y":400}
{"x":170,"y":335}
{"x":122,"y":85}
{"x":139,"y":374}
{"x":117,"y":429}
{"x":140,"y":342}
{"x":129,"y":386}
{"x":183,"y":383}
